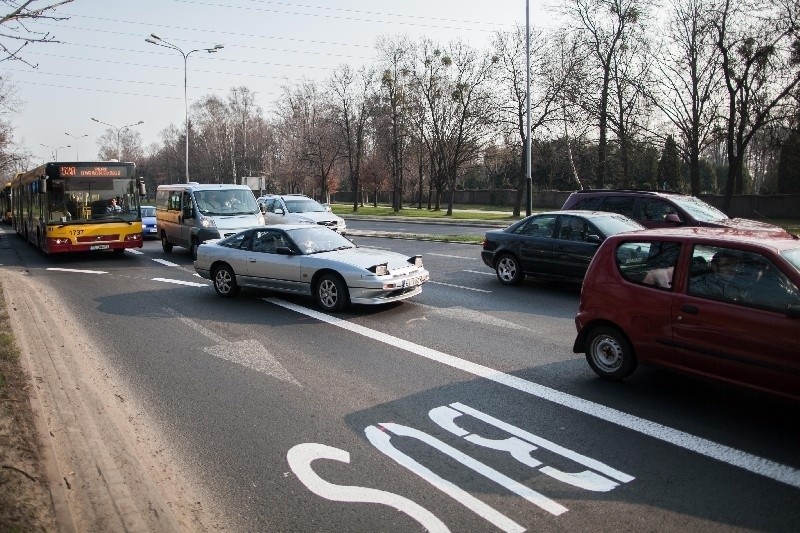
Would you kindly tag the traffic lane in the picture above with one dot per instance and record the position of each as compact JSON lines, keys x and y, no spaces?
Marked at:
{"x":180,"y":297}
{"x":411,"y":227}
{"x":490,"y":332}
{"x":347,"y":385}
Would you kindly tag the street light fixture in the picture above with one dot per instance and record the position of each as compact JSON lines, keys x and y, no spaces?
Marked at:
{"x":158,"y":41}
{"x":119,"y":131}
{"x":55,"y":150}
{"x":77,"y":138}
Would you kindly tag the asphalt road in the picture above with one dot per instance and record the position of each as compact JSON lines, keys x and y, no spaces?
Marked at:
{"x":462,"y":409}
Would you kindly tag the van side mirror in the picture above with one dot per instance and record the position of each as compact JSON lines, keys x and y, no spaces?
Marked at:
{"x":42,"y":184}
{"x":262,"y":208}
{"x":188,"y":211}
{"x":142,"y":189}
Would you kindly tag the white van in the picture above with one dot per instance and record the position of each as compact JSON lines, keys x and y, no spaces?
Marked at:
{"x":188,"y":214}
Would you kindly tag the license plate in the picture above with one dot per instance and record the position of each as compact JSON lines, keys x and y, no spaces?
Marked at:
{"x":99,"y":247}
{"x":412,"y":282}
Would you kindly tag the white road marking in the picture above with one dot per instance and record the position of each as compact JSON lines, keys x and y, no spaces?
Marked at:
{"x":179,"y":282}
{"x":78,"y":271}
{"x":134,"y":251}
{"x":470,"y":315}
{"x":165,"y":263}
{"x":248,"y":353}
{"x":481,"y":272}
{"x":452,"y":256}
{"x":459,"y":287}
{"x":732,"y":456}
{"x":300,"y":458}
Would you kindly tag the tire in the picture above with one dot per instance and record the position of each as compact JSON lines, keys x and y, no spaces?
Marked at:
{"x":193,"y":248}
{"x":609,"y":353}
{"x":225,"y":281}
{"x":508,"y":270}
{"x":165,"y":244}
{"x":330,"y":293}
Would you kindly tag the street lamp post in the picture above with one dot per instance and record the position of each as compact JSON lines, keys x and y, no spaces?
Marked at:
{"x":119,"y":131}
{"x":77,"y":138}
{"x":55,"y":150}
{"x":158,"y":41}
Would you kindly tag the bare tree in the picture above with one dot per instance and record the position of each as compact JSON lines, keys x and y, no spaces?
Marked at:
{"x":552,"y":73}
{"x":759,"y":44}
{"x":689,"y":81}
{"x":15,"y":35}
{"x":355,"y":102}
{"x":604,"y":25}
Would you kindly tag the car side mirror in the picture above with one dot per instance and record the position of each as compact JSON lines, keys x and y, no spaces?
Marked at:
{"x":673,"y":218}
{"x":284,"y":250}
{"x":278,"y":211}
{"x":594,"y":239}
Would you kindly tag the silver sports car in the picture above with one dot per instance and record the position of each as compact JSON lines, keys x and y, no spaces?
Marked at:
{"x":311,"y":260}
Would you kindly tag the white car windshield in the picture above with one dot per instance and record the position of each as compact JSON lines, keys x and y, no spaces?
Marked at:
{"x":303,"y":205}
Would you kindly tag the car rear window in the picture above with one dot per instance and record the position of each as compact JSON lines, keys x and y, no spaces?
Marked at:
{"x":611,"y":225}
{"x":648,"y":262}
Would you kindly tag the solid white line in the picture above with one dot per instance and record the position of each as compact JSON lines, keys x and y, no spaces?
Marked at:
{"x":452,"y":256}
{"x":75,"y":270}
{"x":732,"y":456}
{"x":165,"y":263}
{"x":179,"y":282}
{"x":134,"y":251}
{"x":458,"y":286}
{"x":481,"y":272}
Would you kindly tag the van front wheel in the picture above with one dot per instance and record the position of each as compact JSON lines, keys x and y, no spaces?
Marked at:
{"x":165,"y":244}
{"x":195,"y":246}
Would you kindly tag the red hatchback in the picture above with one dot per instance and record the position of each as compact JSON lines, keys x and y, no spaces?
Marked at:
{"x":712,"y":302}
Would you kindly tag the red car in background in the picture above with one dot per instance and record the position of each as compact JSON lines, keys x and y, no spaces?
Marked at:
{"x":717,"y":303}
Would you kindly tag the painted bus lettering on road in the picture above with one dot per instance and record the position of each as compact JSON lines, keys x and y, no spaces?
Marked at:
{"x":520,"y":445}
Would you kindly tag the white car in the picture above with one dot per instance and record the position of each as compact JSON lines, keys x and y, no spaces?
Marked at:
{"x":310,"y":260}
{"x":299,"y":209}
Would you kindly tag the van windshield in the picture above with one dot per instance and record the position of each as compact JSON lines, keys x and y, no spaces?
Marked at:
{"x":699,"y":209}
{"x":226,"y":202}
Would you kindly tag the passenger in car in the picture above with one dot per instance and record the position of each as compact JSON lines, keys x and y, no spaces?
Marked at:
{"x":722,"y":283}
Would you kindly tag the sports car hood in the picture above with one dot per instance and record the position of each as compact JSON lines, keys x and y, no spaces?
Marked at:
{"x":368,"y":257}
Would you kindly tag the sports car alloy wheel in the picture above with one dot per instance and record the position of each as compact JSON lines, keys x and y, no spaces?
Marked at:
{"x":225,"y":282}
{"x":331,"y":293}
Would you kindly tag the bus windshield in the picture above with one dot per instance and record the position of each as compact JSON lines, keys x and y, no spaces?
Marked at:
{"x":90,"y":199}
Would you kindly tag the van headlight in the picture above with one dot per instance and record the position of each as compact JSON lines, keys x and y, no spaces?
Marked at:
{"x":207,"y":222}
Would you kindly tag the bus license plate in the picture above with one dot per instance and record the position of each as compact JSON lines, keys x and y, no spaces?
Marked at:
{"x":99,"y":247}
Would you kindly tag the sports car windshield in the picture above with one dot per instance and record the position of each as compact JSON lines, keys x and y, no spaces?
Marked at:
{"x":318,"y":239}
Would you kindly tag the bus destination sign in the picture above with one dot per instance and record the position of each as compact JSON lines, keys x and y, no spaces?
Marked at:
{"x":98,"y":171}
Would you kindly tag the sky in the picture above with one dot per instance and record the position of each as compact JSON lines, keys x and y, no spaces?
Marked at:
{"x":103,"y":68}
